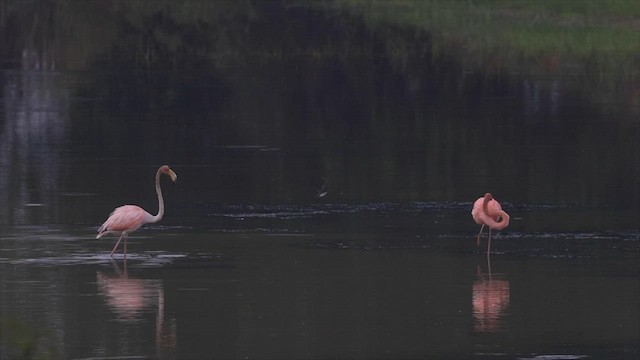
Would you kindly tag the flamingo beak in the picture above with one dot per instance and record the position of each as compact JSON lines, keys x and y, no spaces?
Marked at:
{"x":173,"y":175}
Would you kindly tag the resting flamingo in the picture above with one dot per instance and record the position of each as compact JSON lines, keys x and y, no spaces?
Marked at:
{"x":487,"y":211}
{"x":128,"y":218}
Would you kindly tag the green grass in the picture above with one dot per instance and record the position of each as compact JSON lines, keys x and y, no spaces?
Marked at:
{"x":522,"y":35}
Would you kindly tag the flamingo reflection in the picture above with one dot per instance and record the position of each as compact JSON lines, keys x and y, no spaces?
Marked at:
{"x":490,"y":301}
{"x":130,"y":298}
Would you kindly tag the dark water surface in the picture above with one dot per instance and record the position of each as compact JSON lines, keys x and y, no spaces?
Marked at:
{"x":322,"y":208}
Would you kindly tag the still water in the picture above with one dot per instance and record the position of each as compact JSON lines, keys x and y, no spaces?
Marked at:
{"x":337,"y":281}
{"x":322,"y":208}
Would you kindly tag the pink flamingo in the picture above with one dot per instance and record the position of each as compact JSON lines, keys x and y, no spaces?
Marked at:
{"x":129,"y":218}
{"x":487,"y":211}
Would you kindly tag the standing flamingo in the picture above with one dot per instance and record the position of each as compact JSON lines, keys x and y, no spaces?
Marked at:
{"x":129,"y":218}
{"x":487,"y":211}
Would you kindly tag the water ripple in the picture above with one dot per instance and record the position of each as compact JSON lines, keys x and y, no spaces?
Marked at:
{"x":243,"y":211}
{"x":147,"y":259}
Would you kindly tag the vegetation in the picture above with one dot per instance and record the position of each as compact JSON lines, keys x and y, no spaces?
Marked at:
{"x":576,"y":37}
{"x":22,"y":341}
{"x":591,"y":38}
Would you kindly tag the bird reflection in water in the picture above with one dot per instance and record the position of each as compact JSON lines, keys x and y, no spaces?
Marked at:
{"x":131,"y":298}
{"x":490,"y":301}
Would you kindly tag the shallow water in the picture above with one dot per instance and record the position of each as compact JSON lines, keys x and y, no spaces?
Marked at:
{"x":322,"y":208}
{"x":325,"y":281}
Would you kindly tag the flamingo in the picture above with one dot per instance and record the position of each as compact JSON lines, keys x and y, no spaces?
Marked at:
{"x":128,"y":218}
{"x":487,"y":211}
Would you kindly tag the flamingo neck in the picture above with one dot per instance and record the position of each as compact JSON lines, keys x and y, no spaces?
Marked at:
{"x":485,"y":203}
{"x":504,"y":220}
{"x":157,"y":217}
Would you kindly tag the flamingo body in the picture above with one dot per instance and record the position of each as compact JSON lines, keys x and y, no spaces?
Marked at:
{"x":496,"y":218}
{"x":128,"y":218}
{"x":124,"y":218}
{"x":487,"y":211}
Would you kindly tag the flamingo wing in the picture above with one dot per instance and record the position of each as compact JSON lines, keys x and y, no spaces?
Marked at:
{"x":494,"y":211}
{"x":124,"y":218}
{"x":493,"y":206}
{"x":477,"y":211}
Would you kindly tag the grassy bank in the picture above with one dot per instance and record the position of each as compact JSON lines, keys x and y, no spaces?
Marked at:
{"x":592,"y":38}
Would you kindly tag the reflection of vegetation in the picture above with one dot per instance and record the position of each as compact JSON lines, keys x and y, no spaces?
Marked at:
{"x":21,"y":341}
{"x":407,"y":82}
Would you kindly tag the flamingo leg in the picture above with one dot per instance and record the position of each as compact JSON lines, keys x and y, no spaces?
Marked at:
{"x":118,"y":243}
{"x":479,"y":234}
{"x":489,"y":266}
{"x":489,"y":243}
{"x":115,"y":267}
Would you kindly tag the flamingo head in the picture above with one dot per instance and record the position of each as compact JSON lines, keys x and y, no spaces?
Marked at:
{"x":165,"y":169}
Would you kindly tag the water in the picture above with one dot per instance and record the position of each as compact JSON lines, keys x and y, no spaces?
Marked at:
{"x":347,"y":281}
{"x":322,"y":208}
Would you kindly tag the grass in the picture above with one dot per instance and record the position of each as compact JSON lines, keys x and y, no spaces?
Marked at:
{"x":589,"y":38}
{"x":585,"y":37}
